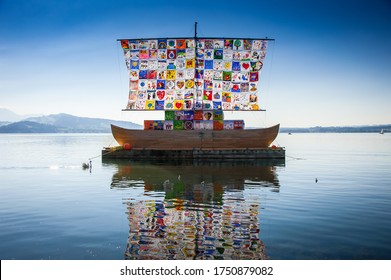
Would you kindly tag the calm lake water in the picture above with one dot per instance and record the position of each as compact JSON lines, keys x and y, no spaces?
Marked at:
{"x":50,"y":208}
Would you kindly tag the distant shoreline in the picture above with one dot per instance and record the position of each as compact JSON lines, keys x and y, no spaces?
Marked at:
{"x":32,"y":128}
{"x":65,"y":123}
{"x":339,"y":129}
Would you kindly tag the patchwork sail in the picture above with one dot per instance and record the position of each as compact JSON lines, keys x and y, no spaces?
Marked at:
{"x":194,"y":73}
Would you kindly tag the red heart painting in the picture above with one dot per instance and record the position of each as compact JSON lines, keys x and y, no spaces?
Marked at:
{"x":160,"y":94}
{"x":178,"y":105}
{"x":245,"y":65}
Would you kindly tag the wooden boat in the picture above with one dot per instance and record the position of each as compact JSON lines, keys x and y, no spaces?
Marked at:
{"x":201,"y":139}
{"x":190,"y":76}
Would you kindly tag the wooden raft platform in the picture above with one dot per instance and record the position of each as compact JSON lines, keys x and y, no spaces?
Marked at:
{"x":220,"y":154}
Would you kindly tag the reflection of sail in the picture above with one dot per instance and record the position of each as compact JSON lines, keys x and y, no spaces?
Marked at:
{"x":204,"y":211}
{"x":177,"y":230}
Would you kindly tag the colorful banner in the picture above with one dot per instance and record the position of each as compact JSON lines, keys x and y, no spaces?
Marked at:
{"x":188,"y":74}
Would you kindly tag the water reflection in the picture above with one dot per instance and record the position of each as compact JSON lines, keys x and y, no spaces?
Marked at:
{"x":195,"y":210}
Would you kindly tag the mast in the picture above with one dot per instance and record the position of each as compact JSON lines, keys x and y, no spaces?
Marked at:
{"x":196,"y":67}
{"x":195,"y":30}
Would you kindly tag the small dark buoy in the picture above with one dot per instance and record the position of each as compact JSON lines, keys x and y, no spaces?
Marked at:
{"x":85,"y":165}
{"x":316,"y":180}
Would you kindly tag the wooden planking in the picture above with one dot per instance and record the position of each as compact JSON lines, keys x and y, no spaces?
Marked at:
{"x":199,"y":139}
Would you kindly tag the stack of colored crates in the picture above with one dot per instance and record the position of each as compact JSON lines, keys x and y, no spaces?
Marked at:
{"x":189,"y":120}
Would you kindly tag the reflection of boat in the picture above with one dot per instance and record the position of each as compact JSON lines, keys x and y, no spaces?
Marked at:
{"x":194,"y":210}
{"x":228,"y":174}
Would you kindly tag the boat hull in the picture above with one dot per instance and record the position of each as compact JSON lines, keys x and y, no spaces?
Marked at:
{"x":196,"y":139}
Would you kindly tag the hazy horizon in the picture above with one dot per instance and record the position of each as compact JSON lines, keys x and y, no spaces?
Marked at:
{"x":141,"y":123}
{"x":329,"y":66}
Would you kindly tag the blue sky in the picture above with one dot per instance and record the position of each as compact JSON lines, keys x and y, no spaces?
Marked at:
{"x":330,"y":63}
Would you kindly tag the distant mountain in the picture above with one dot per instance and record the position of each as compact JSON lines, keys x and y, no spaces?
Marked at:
{"x":28,"y":127}
{"x":64,"y":123}
{"x":4,"y":123}
{"x":70,"y":123}
{"x":9,"y":116}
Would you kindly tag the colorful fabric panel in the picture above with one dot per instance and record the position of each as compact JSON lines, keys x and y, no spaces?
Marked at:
{"x":188,"y":74}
